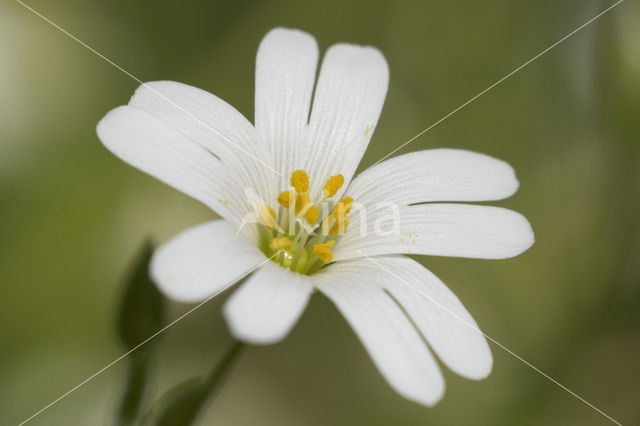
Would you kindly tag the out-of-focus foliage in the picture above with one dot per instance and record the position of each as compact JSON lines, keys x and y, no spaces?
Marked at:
{"x":182,"y":404}
{"x":141,"y":312}
{"x":139,"y":319}
{"x":72,"y":215}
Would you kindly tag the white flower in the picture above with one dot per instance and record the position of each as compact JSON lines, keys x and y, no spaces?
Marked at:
{"x":200,"y":145}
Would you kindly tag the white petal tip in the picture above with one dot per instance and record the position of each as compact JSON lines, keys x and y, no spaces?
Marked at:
{"x":202,"y":261}
{"x":356,"y":55}
{"x":480,"y":371}
{"x":115,"y":129}
{"x":477,"y":365}
{"x":525,"y":236}
{"x":517,"y":239}
{"x":507,"y":174}
{"x":168,"y":282}
{"x":256,"y":333}
{"x":427,"y":397}
{"x":156,"y":88}
{"x":268,"y":305}
{"x":103,"y":126}
{"x":289,"y":38}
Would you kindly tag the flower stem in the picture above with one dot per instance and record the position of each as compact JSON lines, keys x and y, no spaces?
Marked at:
{"x":218,"y":374}
{"x":182,"y":405}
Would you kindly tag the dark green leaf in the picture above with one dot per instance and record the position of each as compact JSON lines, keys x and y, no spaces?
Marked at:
{"x":136,"y":383}
{"x":180,"y":405}
{"x":142,"y":309}
{"x":141,"y":314}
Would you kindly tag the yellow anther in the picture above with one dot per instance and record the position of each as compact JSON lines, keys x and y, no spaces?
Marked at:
{"x":301,"y":203}
{"x":280,"y":243}
{"x":312,"y":215}
{"x":286,"y":198}
{"x":334,"y":183}
{"x":268,"y":216}
{"x":339,"y":226}
{"x":343,"y":207}
{"x":300,"y":181}
{"x":285,"y":243}
{"x":323,"y":251}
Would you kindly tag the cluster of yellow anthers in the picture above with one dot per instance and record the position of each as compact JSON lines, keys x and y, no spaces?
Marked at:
{"x":298,"y":240}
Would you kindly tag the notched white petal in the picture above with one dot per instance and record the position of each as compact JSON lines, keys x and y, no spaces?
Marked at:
{"x":285,"y":75}
{"x":197,"y":113}
{"x":267,"y":306}
{"x":151,"y":145}
{"x":435,"y":310}
{"x":213,"y":124}
{"x":352,"y":86}
{"x":391,"y":340}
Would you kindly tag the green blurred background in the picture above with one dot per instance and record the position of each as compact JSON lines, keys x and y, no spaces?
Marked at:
{"x":73,"y":217}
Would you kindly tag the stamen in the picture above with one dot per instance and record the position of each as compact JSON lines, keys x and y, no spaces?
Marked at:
{"x":301,"y":203}
{"x":300,"y":181}
{"x":344,"y":205}
{"x":339,"y":226}
{"x":299,"y":245}
{"x":285,"y":243}
{"x":334,"y":183}
{"x":336,"y":223}
{"x":268,"y":216}
{"x":312,"y":215}
{"x":328,"y":223}
{"x":280,"y":243}
{"x":286,"y":198}
{"x":323,"y":251}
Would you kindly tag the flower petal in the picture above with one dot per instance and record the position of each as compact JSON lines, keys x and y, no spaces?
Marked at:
{"x":458,"y":230}
{"x":285,"y":74}
{"x":348,"y":99}
{"x":392,"y":341}
{"x":266,"y":307}
{"x":203,"y":260}
{"x":213,"y":124}
{"x":444,"y":322}
{"x":152,"y":146}
{"x":435,"y":175}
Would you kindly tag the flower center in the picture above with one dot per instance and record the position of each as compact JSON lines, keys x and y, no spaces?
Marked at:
{"x":301,"y":234}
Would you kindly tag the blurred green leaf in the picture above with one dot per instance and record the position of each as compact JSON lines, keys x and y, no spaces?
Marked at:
{"x":141,"y":314}
{"x":136,"y":384}
{"x":181,"y":404}
{"x":142,"y":309}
